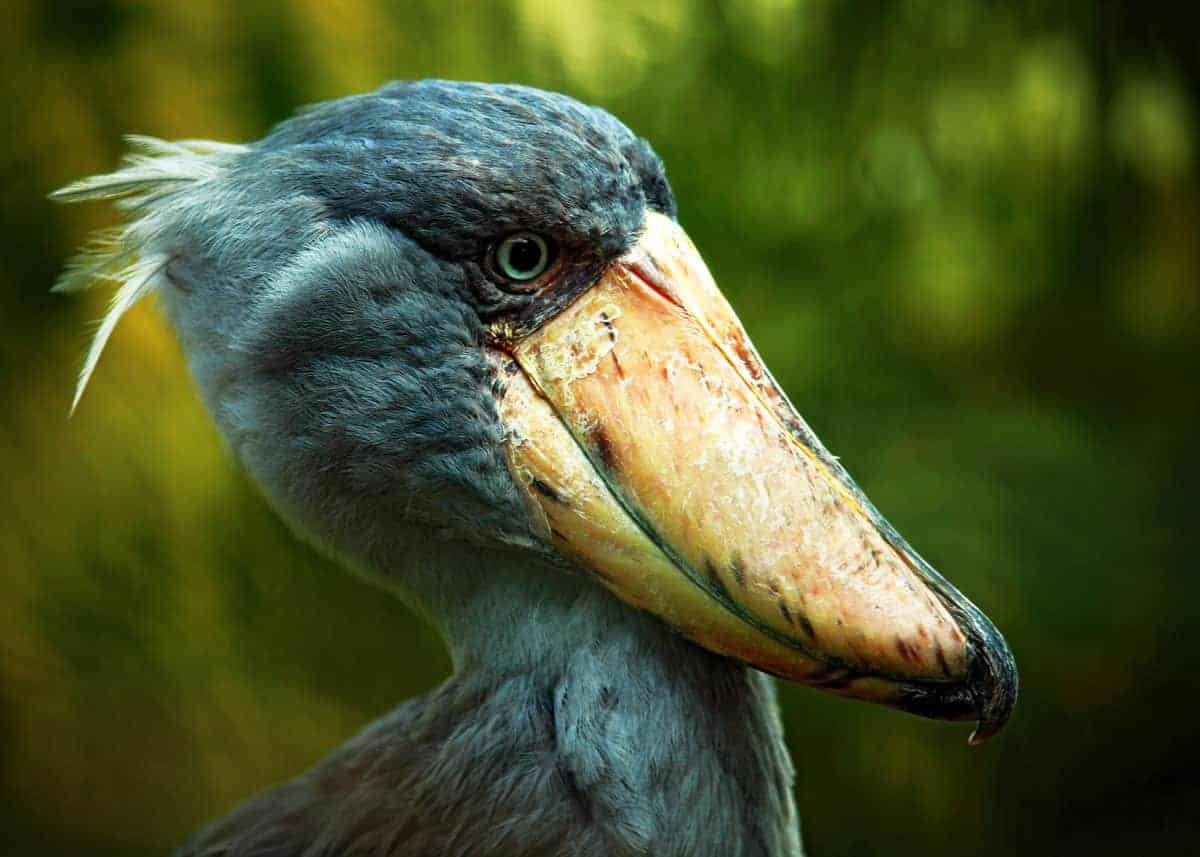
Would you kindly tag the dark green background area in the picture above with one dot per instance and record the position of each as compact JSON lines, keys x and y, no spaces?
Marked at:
{"x":964,"y":235}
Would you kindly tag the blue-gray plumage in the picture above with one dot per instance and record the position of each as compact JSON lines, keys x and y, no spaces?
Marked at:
{"x":336,"y":289}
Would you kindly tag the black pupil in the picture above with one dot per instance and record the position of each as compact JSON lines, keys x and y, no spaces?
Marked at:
{"x":524,"y":255}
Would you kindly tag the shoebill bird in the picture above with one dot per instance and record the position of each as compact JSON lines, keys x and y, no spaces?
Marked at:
{"x":458,"y":336}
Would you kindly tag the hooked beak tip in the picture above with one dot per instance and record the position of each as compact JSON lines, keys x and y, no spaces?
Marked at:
{"x":987,"y":694}
{"x":993,"y":682}
{"x":988,"y":687}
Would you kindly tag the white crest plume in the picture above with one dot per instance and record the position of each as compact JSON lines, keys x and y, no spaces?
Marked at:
{"x":132,"y":254}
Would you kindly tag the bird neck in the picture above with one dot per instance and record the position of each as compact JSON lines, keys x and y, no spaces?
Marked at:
{"x":654,"y":744}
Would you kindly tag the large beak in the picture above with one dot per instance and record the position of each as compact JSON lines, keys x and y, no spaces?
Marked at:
{"x":660,"y":454}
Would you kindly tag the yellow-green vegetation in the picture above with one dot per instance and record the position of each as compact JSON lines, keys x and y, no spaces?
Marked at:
{"x":963,"y":234}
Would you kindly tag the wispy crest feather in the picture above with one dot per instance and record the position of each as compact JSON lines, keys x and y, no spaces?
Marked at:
{"x":149,"y":177}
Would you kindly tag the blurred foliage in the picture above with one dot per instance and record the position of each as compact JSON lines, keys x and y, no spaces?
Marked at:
{"x":963,"y":234}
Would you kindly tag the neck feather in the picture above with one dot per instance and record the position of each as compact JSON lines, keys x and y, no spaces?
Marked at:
{"x":567,"y":703}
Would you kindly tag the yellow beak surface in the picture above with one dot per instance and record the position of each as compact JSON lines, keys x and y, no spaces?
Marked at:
{"x":661,"y":455}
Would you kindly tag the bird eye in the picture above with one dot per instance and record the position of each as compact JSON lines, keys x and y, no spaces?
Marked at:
{"x":522,"y":256}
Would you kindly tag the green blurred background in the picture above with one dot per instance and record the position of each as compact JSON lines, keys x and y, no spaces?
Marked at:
{"x":963,"y":234}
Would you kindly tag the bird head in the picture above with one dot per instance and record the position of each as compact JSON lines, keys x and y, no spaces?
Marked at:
{"x":471,"y":309}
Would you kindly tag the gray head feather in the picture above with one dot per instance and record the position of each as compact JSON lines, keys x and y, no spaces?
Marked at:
{"x":329,"y":289}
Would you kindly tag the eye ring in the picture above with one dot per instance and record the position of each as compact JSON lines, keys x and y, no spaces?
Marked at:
{"x":522,"y":256}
